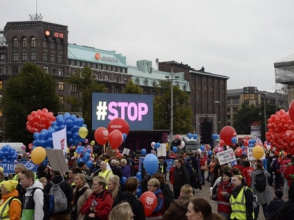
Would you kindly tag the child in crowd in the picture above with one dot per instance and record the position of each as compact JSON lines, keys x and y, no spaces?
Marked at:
{"x":277,"y":202}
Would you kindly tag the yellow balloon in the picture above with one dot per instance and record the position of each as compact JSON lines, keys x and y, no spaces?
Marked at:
{"x":257,"y":152}
{"x":38,"y":155}
{"x":92,"y":143}
{"x":75,"y":154}
{"x":83,"y":132}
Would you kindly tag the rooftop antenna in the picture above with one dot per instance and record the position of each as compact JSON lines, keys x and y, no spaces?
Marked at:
{"x":36,"y":17}
{"x":249,"y":79}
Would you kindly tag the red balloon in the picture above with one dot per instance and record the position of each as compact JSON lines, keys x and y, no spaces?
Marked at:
{"x":221,"y":143}
{"x":115,"y":139}
{"x":101,"y":135}
{"x":239,"y":151}
{"x":119,"y":124}
{"x":149,"y":201}
{"x":227,"y":133}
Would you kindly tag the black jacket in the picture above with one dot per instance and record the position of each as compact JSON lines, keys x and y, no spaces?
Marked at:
{"x":181,"y":177}
{"x":66,"y":188}
{"x":136,"y":205}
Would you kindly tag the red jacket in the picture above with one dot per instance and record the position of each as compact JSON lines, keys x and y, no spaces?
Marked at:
{"x":246,"y":173}
{"x":102,"y":203}
{"x":171,"y":175}
{"x":223,"y":201}
{"x":288,"y":173}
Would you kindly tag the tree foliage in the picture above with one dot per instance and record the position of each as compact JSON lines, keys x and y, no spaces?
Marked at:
{"x":30,"y":90}
{"x":182,"y":111}
{"x":132,"y":88}
{"x":85,"y":84}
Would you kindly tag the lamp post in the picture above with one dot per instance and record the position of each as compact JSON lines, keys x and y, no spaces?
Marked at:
{"x":172,"y":78}
{"x":264,"y":112}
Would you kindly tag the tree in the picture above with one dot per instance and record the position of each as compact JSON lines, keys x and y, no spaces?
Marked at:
{"x":30,"y":90}
{"x":182,"y":116}
{"x":132,"y":88}
{"x":244,"y":118}
{"x":85,"y":84}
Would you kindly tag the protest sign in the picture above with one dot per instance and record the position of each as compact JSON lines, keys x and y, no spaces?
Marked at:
{"x":226,"y":156}
{"x":60,"y":141}
{"x":9,"y":166}
{"x":126,"y":151}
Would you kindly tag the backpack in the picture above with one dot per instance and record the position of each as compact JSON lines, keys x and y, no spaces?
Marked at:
{"x":260,"y":182}
{"x":254,"y":200}
{"x":48,"y":204}
{"x":59,"y":199}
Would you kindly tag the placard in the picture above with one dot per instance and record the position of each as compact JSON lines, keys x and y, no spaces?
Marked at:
{"x":60,"y":141}
{"x":126,"y":151}
{"x":226,"y":156}
{"x":161,"y":151}
{"x":57,"y":160}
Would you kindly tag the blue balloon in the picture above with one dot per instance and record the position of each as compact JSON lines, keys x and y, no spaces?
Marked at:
{"x":143,"y":151}
{"x":175,"y":149}
{"x":234,"y":140}
{"x":195,"y":136}
{"x":139,"y":176}
{"x":123,"y":180}
{"x":36,"y":134}
{"x":243,"y":148}
{"x":250,"y":145}
{"x":202,"y":148}
{"x":151,"y":164}
{"x":214,"y":137}
{"x":69,"y":123}
{"x":209,"y":153}
{"x":89,"y":163}
{"x":80,"y":160}
{"x":87,"y":156}
{"x":189,"y":135}
{"x":67,"y":115}
{"x":124,"y":136}
{"x":139,"y":193}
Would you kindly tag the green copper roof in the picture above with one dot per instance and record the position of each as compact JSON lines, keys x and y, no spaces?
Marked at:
{"x":144,"y":75}
{"x":93,"y":55}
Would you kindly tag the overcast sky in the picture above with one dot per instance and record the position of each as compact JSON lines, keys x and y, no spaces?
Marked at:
{"x":240,"y":39}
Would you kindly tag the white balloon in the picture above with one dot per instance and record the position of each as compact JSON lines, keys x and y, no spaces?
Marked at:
{"x":182,"y":144}
{"x":199,"y":151}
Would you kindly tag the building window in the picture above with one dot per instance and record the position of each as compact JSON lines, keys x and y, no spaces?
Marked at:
{"x":99,"y":67}
{"x":146,"y":82}
{"x":15,"y":42}
{"x":33,"y":42}
{"x":2,"y":57}
{"x":72,"y":62}
{"x":45,"y":57}
{"x":33,"y":56}
{"x":46,"y":69}
{"x":137,"y":80}
{"x":24,"y":56}
{"x":14,"y":70}
{"x":118,"y":69}
{"x":235,"y":101}
{"x":60,"y":86}
{"x":78,"y":63}
{"x":59,"y":58}
{"x":52,"y":57}
{"x":114,"y":69}
{"x":73,"y":88}
{"x":61,"y":99}
{"x":60,"y":72}
{"x":125,"y":79}
{"x":24,"y":42}
{"x":45,"y":43}
{"x":52,"y":44}
{"x":117,"y":79}
{"x":15,"y":57}
{"x":106,"y":78}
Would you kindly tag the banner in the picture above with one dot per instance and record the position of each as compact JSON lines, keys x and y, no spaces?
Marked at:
{"x":9,"y":166}
{"x":250,"y":156}
{"x":59,"y":140}
{"x":226,"y":156}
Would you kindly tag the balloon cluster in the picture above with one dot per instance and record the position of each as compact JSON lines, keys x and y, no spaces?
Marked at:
{"x":194,"y":136}
{"x":8,"y":154}
{"x":116,"y":133}
{"x":155,"y":145}
{"x":38,"y":120}
{"x":72,"y":124}
{"x":281,"y":131}
{"x":84,"y":155}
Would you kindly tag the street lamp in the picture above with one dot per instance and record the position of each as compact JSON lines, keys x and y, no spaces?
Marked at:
{"x":264,"y":109}
{"x":172,"y":78}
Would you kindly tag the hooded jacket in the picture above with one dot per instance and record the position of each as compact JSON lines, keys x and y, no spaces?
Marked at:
{"x":178,"y":209}
{"x":135,"y":204}
{"x":15,"y":205}
{"x":33,"y":203}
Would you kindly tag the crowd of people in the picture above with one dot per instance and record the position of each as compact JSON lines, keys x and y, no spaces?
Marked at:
{"x":111,"y":188}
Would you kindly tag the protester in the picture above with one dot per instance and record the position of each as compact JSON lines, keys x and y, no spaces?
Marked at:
{"x":43,"y":180}
{"x":64,"y":211}
{"x":122,"y":211}
{"x":181,"y":177}
{"x":80,"y":194}
{"x":178,"y":209}
{"x":246,"y":173}
{"x":116,"y":170}
{"x":87,"y":173}
{"x":200,"y":209}
{"x":105,"y":173}
{"x":222,"y":193}
{"x":113,"y":185}
{"x":289,"y":173}
{"x":33,"y":200}
{"x":154,"y":186}
{"x":131,"y":187}
{"x":287,"y":211}
{"x":99,"y":204}
{"x":125,"y":168}
{"x":277,"y":203}
{"x":10,"y":205}
{"x":261,"y":189}
{"x":241,"y":208}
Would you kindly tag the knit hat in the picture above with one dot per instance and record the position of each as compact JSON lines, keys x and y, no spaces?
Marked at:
{"x":10,"y":184}
{"x":228,"y":173}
